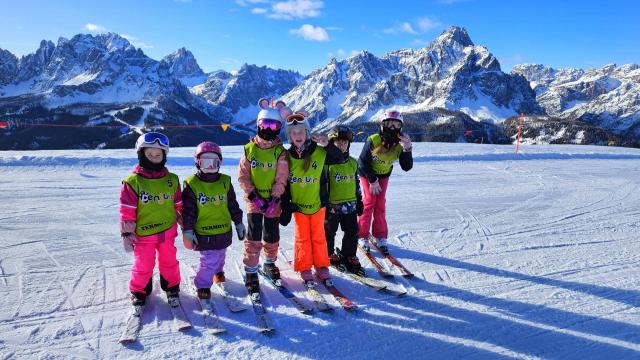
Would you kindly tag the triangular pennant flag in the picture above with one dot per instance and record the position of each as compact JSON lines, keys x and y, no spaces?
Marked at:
{"x":224,"y":127}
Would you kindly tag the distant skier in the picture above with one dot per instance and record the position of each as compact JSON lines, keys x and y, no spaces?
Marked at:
{"x":209,"y":208}
{"x":379,"y":153}
{"x":306,"y":197}
{"x":345,"y":203}
{"x":262,"y":175}
{"x":150,"y":208}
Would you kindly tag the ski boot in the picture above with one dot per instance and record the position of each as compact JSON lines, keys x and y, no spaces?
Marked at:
{"x":252,"y":283}
{"x":138,"y":299}
{"x":272,"y":271}
{"x":204,"y":294}
{"x":219,"y":278}
{"x":382,"y":245}
{"x":352,"y":265}
{"x":173,"y":296}
{"x":364,"y":243}
{"x":334,"y":260}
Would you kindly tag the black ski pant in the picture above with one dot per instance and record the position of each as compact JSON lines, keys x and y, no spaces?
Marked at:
{"x":263,"y":228}
{"x":349,"y":225}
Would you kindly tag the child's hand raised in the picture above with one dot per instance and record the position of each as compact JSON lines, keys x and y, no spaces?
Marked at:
{"x":405,"y":141}
{"x":322,"y":140}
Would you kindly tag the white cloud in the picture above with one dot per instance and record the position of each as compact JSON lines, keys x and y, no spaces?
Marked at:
{"x":426,"y":24}
{"x":258,"y":11}
{"x":296,"y":9}
{"x":94,"y":28}
{"x":311,"y":33}
{"x":422,"y":24}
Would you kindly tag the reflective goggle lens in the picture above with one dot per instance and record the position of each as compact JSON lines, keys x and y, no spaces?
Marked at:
{"x":152,"y":137}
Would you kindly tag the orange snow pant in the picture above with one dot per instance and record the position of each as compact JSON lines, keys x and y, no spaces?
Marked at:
{"x":310,"y":244}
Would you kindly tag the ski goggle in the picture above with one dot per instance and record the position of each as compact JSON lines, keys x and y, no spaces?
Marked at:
{"x":152,"y":137}
{"x":295,"y":119}
{"x":392,"y":124}
{"x":274,"y":125}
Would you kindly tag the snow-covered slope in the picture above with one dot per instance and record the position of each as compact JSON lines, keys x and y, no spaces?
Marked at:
{"x":527,"y":258}
{"x":450,"y":73}
{"x":608,"y":97}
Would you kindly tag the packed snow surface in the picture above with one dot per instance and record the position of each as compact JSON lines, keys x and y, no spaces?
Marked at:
{"x":534,"y":256}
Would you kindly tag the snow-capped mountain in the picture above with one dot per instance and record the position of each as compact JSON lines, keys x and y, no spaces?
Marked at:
{"x":451,"y":73}
{"x":239,"y":91}
{"x":183,"y":65}
{"x":450,"y":89}
{"x":608,"y":97}
{"x":100,"y":80}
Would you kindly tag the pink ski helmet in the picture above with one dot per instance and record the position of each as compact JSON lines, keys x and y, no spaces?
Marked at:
{"x":207,"y":147}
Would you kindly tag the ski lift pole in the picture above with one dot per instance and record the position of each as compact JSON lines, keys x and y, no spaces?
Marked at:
{"x":519,"y":132}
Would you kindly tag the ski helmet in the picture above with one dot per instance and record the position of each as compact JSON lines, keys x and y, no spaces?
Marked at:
{"x":270,"y":114}
{"x":207,"y":147}
{"x":297,"y":120}
{"x":341,"y":132}
{"x":153,"y":140}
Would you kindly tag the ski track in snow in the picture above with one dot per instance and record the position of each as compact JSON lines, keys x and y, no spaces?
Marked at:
{"x":534,"y":257}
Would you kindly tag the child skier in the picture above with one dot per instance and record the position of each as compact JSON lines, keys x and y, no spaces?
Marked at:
{"x":306,"y":198}
{"x":345,"y":204}
{"x":209,"y":208}
{"x":262,"y":175}
{"x":150,"y":207}
{"x":379,"y":153}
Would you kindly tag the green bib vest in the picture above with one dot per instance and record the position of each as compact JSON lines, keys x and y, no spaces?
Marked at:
{"x":342,"y":181}
{"x":305,"y":185}
{"x":213,"y":212}
{"x":156,"y":210}
{"x":382,"y":163}
{"x":263,"y":166}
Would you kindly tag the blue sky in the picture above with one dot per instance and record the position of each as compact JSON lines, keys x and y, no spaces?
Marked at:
{"x":303,"y":35}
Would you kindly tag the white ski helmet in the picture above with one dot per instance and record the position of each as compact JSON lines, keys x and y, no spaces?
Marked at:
{"x":153,"y":140}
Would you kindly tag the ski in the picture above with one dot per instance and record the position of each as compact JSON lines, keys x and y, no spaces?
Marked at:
{"x":312,"y":293}
{"x":232,"y":302}
{"x":405,"y":272}
{"x":180,"y":320}
{"x":133,"y":325}
{"x":372,"y":259}
{"x":344,"y":301}
{"x":211,"y":319}
{"x":262,"y":321}
{"x":374,"y":283}
{"x":287,"y":294}
{"x":317,"y":298}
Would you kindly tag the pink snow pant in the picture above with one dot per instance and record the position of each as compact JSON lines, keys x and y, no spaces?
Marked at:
{"x":373,"y":205}
{"x":211,"y":263}
{"x":144,"y":254}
